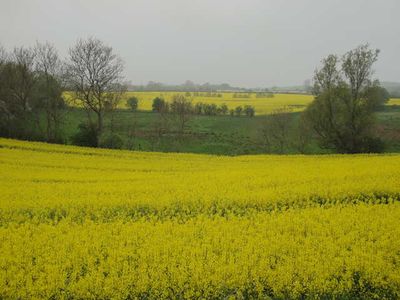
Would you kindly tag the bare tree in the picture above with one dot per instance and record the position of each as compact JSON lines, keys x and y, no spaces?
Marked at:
{"x":181,"y":108}
{"x":23,"y":78}
{"x":161,"y":125}
{"x":4,"y":109}
{"x":275,"y":129}
{"x":94,"y":74}
{"x":3,"y":55}
{"x":48,"y":67}
{"x":302,"y":135}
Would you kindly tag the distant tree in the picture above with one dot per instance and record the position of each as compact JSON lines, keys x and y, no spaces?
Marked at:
{"x":49,"y":89}
{"x":159,"y":105}
{"x":86,"y":135}
{"x":210,"y":109}
{"x":189,"y":86}
{"x":223,"y":109}
{"x":18,"y":93}
{"x":133,"y":103}
{"x":276,"y":128}
{"x":23,"y":78}
{"x":181,"y":107}
{"x":302,"y":135}
{"x":307,"y":86}
{"x":111,"y":141}
{"x":94,"y":75}
{"x":132,"y":133}
{"x":198,"y":108}
{"x":377,"y":96}
{"x":238,"y":111}
{"x":249,"y":110}
{"x":231,"y":112}
{"x":3,"y":105}
{"x":160,"y":126}
{"x":342,"y":114}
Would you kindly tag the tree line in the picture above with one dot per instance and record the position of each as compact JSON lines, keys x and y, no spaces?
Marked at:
{"x":199,"y":108}
{"x":31,"y":86}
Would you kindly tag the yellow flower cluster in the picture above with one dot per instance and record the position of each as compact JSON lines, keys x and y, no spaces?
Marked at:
{"x":101,"y":224}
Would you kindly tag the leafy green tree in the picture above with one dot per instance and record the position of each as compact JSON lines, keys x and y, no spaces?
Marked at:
{"x":249,"y":111}
{"x":342,"y":114}
{"x":238,"y":111}
{"x":198,"y":108}
{"x":133,"y":103}
{"x":86,"y":135}
{"x":159,"y":105}
{"x":223,"y":109}
{"x":210,"y":109}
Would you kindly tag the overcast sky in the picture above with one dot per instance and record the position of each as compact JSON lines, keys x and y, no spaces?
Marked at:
{"x":250,"y":43}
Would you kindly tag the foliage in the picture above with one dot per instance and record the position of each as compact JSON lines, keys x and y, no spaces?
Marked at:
{"x":182,"y":109}
{"x":96,"y":223}
{"x":275,"y":130}
{"x":262,"y":105}
{"x":249,"y":111}
{"x":342,"y":114}
{"x":111,"y":141}
{"x":30,"y":87}
{"x":159,"y":105}
{"x":86,"y":135}
{"x":238,"y":111}
{"x":132,"y":102}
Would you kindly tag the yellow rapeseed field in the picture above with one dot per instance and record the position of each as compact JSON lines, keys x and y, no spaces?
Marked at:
{"x":105,"y":224}
{"x":262,"y":105}
{"x":394,"y":101}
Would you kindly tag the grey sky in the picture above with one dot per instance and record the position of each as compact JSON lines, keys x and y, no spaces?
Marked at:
{"x":245,"y":43}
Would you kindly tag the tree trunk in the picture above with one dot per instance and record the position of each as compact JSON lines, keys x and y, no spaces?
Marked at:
{"x":99,"y":127}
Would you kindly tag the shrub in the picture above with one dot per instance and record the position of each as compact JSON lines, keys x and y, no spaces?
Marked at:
{"x":133,"y":103}
{"x":223,"y":109}
{"x":159,"y":105}
{"x":372,"y":145}
{"x":249,"y":110}
{"x":238,"y":110}
{"x":86,"y":135}
{"x":111,"y":141}
{"x":198,"y":108}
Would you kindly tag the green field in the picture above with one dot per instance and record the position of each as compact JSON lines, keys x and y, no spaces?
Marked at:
{"x":214,"y":134}
{"x":223,"y":135}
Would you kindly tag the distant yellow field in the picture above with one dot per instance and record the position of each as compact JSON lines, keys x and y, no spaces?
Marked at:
{"x":80,"y":223}
{"x":262,"y":105}
{"x":394,"y":101}
{"x":296,"y":102}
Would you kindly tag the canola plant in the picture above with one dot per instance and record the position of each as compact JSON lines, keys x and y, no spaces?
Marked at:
{"x":104,"y":224}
